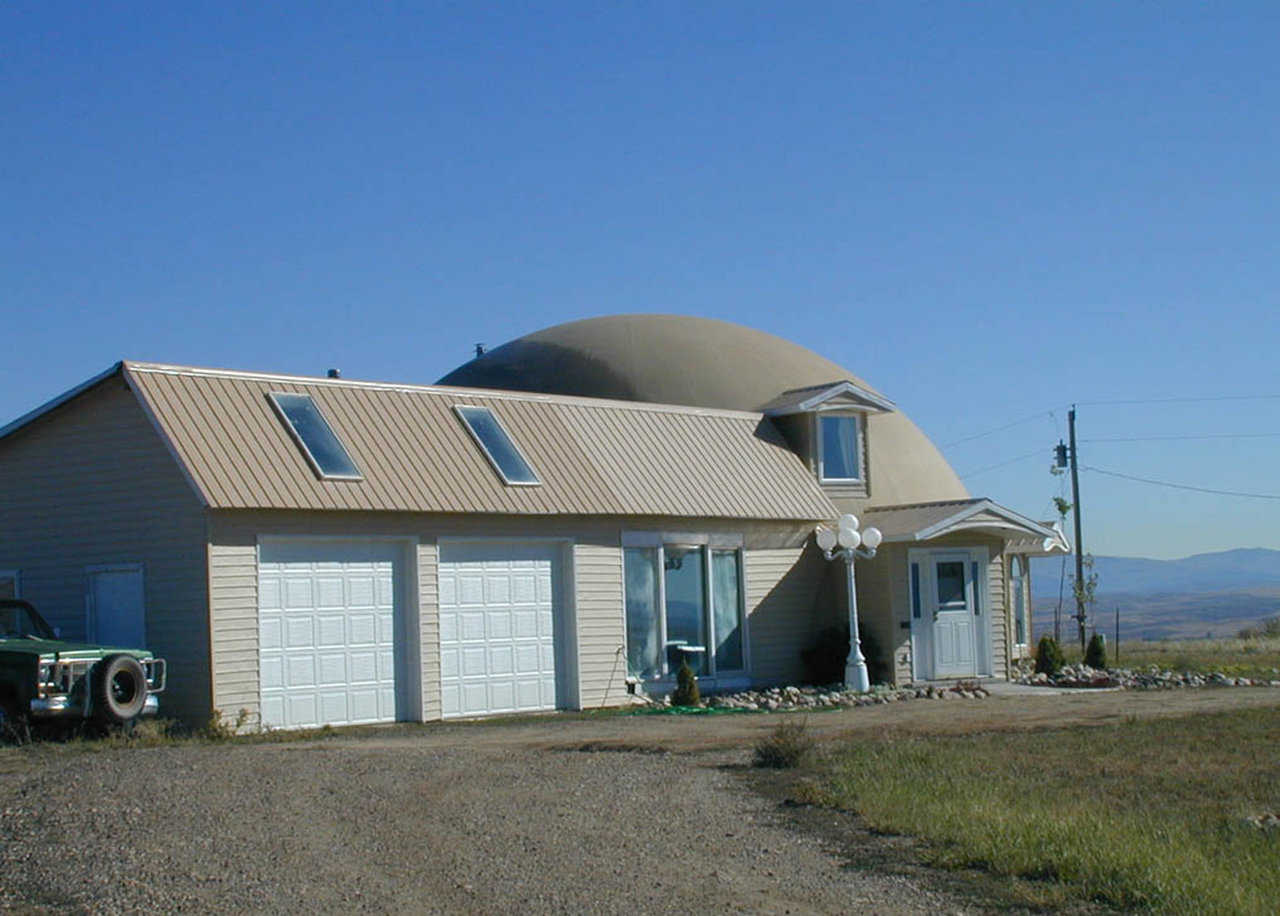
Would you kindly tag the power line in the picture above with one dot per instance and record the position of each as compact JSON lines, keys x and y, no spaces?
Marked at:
{"x":1183,"y":438}
{"x":1181,"y":486}
{"x":1182,"y":400}
{"x":992,"y":467}
{"x":1000,"y":429}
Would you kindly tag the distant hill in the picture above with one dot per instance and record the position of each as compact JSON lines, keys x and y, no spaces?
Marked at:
{"x":1244,"y":569}
{"x":1217,"y":593}
{"x":1186,"y":616}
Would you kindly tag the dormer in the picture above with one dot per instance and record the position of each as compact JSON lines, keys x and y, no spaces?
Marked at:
{"x":827,"y":426}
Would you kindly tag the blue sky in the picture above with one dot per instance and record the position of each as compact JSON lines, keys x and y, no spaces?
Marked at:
{"x":986,"y":210}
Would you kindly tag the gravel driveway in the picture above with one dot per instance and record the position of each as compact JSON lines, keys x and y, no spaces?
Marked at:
{"x":546,"y":815}
{"x":334,"y":827}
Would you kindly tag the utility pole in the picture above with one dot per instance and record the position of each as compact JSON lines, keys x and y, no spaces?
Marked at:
{"x":1066,"y":456}
{"x":1081,"y":616}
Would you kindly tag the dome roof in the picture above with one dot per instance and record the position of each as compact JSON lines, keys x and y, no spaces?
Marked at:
{"x":700,"y":362}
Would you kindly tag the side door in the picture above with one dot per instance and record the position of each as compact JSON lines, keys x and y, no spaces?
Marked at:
{"x":115,"y":606}
{"x":954,"y":629}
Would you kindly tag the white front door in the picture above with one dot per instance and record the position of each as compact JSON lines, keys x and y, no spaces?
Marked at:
{"x":116,"y":606}
{"x":327,"y":632}
{"x":954,"y":651}
{"x":498,"y":612}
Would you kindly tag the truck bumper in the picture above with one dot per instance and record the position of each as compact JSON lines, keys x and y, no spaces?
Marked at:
{"x":62,"y":707}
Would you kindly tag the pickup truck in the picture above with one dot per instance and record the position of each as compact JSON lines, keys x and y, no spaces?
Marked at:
{"x":44,"y":678}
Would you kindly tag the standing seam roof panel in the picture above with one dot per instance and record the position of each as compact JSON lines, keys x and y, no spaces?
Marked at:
{"x":416,"y":455}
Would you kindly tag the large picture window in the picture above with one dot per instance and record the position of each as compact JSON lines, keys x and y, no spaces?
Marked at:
{"x":683,"y":602}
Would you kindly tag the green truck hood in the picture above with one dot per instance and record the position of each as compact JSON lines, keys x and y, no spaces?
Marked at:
{"x":65,"y":650}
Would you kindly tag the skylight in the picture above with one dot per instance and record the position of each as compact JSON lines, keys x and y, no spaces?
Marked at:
{"x":316,"y":437}
{"x":497,"y":445}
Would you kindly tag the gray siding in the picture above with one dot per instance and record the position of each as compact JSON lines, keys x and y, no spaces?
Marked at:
{"x":92,"y":484}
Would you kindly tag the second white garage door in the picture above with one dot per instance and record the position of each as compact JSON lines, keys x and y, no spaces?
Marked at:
{"x":497,"y":627}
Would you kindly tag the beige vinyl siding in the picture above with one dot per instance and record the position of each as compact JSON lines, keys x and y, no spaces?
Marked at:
{"x":594,"y":458}
{"x":782,"y":581}
{"x":783,"y":617}
{"x":998,"y":612}
{"x":602,"y":638}
{"x":427,"y":652}
{"x":92,"y":484}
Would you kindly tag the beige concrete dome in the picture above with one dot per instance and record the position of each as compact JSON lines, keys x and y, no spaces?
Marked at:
{"x":700,"y":362}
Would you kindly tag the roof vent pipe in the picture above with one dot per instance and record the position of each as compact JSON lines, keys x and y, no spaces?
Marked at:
{"x":334,"y":373}
{"x":479,"y":350}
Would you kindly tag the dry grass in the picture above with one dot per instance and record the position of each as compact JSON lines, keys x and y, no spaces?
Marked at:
{"x":1145,"y":815}
{"x":1257,"y":657}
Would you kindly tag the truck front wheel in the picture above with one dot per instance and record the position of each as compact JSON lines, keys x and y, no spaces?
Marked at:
{"x":119,"y":690}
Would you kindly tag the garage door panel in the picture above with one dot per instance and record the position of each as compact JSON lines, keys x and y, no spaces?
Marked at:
{"x":474,"y":662}
{"x":271,"y":634}
{"x":299,"y":632}
{"x":473,"y":625}
{"x":497,"y":639}
{"x":331,"y":631}
{"x":333,"y":670}
{"x":501,"y":660}
{"x":298,"y":593}
{"x":499,"y":624}
{"x":272,"y":673}
{"x":326,"y":633}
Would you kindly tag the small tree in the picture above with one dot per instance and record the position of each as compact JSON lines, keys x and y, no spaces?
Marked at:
{"x":686,"y":692}
{"x":1086,"y":595}
{"x":1049,"y":659}
{"x":1096,"y":655}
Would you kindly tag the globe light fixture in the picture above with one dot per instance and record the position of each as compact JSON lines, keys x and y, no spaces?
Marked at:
{"x":847,"y":543}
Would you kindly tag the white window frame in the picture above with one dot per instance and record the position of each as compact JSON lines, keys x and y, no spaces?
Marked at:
{"x":537,"y":480}
{"x":1020,"y":648}
{"x":311,"y":459}
{"x":858,"y":434}
{"x":16,"y":576}
{"x":708,"y":542}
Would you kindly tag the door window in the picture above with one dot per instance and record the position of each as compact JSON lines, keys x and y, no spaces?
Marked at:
{"x":951,"y":590}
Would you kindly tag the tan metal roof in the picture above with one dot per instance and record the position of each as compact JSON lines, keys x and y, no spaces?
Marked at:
{"x":594,"y":457}
{"x":924,"y":521}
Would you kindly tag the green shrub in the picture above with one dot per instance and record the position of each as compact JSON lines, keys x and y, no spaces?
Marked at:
{"x":1095,"y":655}
{"x":787,"y":746}
{"x":686,"y":692}
{"x":1049,"y":658}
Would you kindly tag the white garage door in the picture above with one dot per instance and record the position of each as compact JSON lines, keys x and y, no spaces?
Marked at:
{"x":497,"y":628}
{"x":326,"y":626}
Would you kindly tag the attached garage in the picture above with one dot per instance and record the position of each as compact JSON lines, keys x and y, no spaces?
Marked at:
{"x":329,"y":625}
{"x":501,"y":616}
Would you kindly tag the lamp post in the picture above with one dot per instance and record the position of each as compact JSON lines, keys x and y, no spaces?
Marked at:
{"x":846,"y":542}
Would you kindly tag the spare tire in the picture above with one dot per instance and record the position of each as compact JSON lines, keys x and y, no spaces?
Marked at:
{"x":119,"y":689}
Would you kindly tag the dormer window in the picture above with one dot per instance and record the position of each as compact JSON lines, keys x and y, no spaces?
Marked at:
{"x":839,"y":448}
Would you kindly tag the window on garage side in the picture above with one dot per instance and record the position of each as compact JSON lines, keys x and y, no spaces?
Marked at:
{"x":498,"y":446}
{"x":683,"y":601}
{"x":321,"y":446}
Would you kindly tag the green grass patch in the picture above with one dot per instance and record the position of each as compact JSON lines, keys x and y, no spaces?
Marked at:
{"x":1145,"y":815}
{"x":1257,"y":657}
